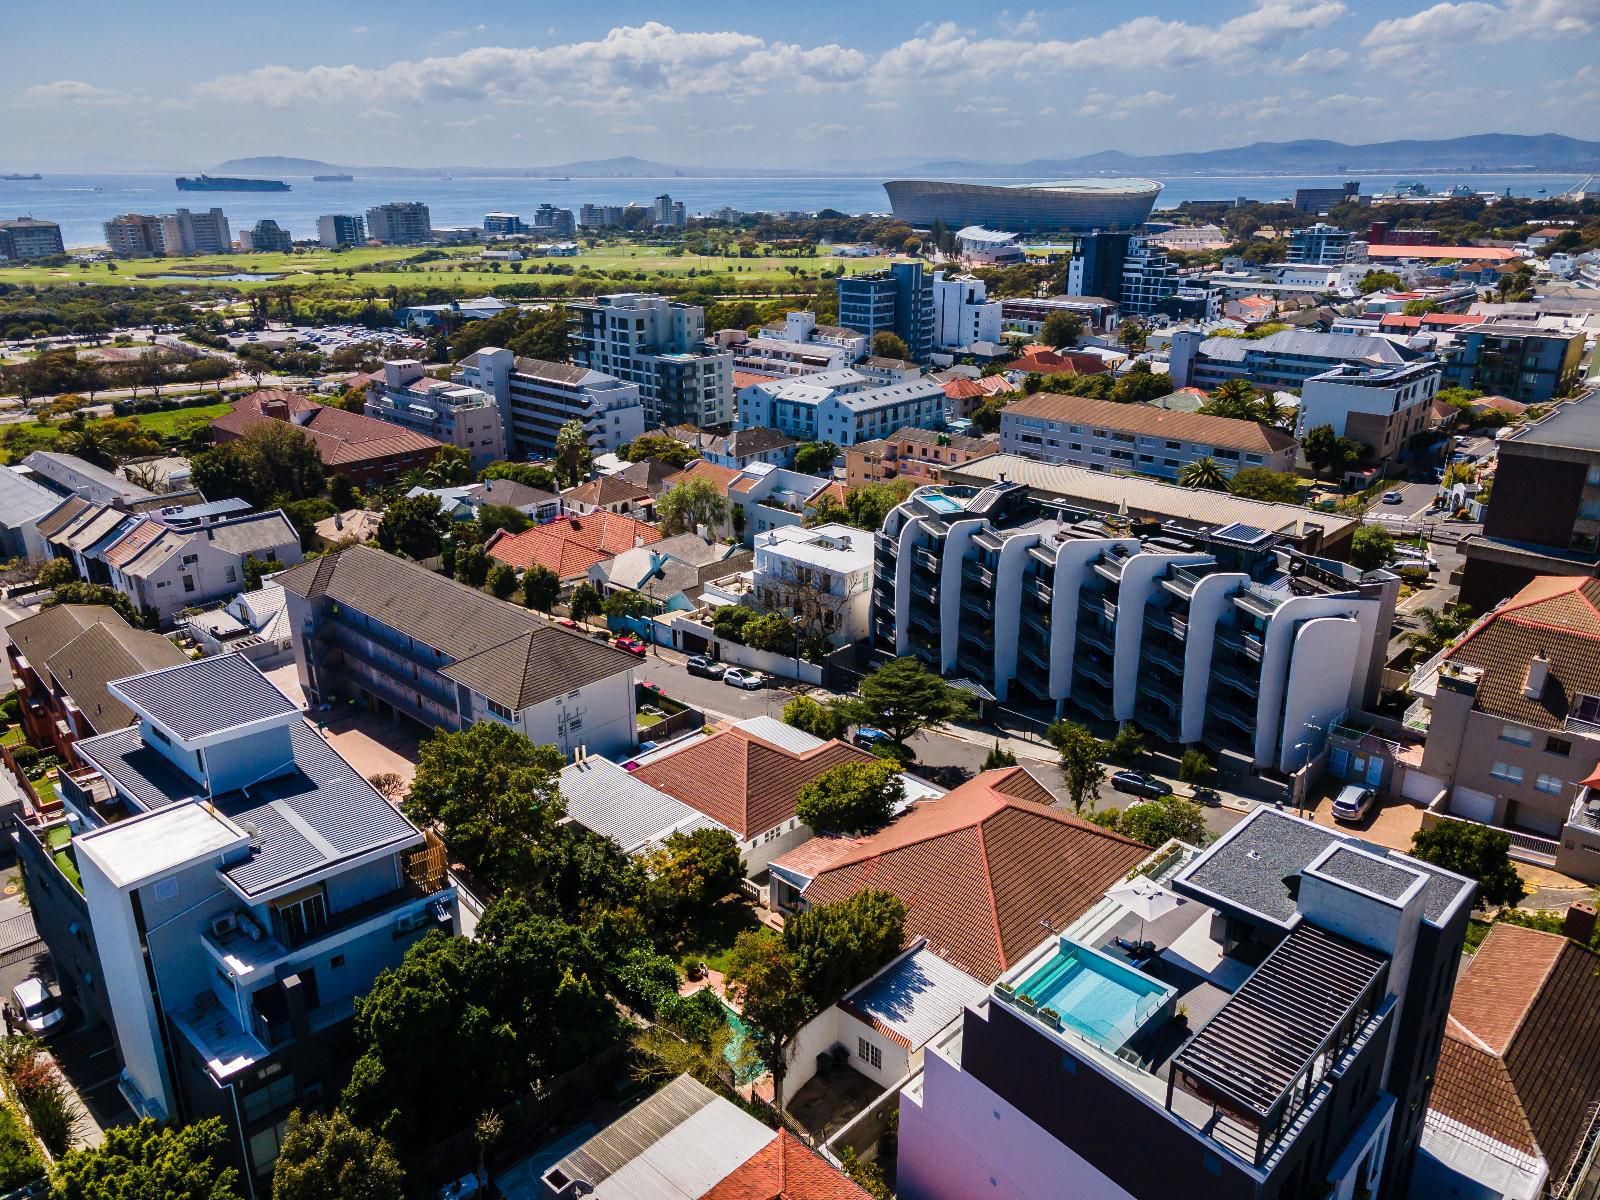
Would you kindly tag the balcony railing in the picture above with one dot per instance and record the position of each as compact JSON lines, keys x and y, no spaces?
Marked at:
{"x":925,"y":559}
{"x":978,"y":573}
{"x":1037,"y":624}
{"x":1240,"y":642}
{"x":1110,"y":567}
{"x":1091,"y":667}
{"x":1259,"y":600}
{"x":1098,"y":605}
{"x":1097,"y":635}
{"x":1237,"y":677}
{"x":1040,"y":590}
{"x":1184,"y":580}
{"x":1160,"y":656}
{"x":979,"y":603}
{"x":1233,"y":715}
{"x":1165,"y":621}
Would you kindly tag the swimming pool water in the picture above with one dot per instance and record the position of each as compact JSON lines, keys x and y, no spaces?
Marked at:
{"x":1101,"y":999}
{"x":734,"y":1051}
{"x":939,"y":502}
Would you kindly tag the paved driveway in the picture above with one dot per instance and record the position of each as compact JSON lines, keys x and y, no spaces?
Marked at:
{"x":374,"y":745}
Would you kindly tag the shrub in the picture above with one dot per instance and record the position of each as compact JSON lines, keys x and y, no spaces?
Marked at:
{"x":19,"y":1161}
{"x":1194,"y":766}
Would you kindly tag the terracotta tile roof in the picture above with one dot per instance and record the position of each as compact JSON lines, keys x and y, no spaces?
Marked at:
{"x":571,"y":545}
{"x":605,"y":491}
{"x":834,"y":490}
{"x":1554,"y":615}
{"x":1043,"y":361}
{"x":700,"y":468}
{"x":786,"y":1169}
{"x":342,"y":437}
{"x":744,"y":379}
{"x":742,"y":781}
{"x":124,"y":549}
{"x":980,"y":867}
{"x":1154,"y":422}
{"x":1521,"y":1054}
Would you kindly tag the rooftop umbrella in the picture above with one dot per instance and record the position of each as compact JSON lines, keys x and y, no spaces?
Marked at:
{"x":1148,"y":899}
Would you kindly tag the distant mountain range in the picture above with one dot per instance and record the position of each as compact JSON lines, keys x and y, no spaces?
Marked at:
{"x":1484,"y":152}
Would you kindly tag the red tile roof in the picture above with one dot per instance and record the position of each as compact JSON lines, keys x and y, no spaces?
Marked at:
{"x":744,"y":379}
{"x":742,"y":781}
{"x":980,"y":867}
{"x":1043,"y":361}
{"x":1154,"y":422}
{"x":572,"y":545}
{"x":1520,"y":1060}
{"x":121,"y":552}
{"x":342,"y":437}
{"x":701,"y":468}
{"x":786,"y":1169}
{"x":1476,"y":253}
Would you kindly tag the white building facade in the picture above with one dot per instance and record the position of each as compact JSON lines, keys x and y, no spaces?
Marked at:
{"x":536,"y":398}
{"x":841,"y":407}
{"x":453,"y":413}
{"x":821,"y":576}
{"x":962,"y":312}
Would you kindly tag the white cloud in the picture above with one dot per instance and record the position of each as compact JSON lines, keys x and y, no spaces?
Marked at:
{"x":1312,"y":62}
{"x":1345,"y":102}
{"x":75,"y":91}
{"x":1433,"y":32}
{"x":1019,"y":25}
{"x":1107,"y":107}
{"x":1249,"y":112}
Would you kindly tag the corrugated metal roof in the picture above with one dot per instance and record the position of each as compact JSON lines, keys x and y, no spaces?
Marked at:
{"x":915,"y":997}
{"x":610,"y":801}
{"x":207,"y":696}
{"x":22,"y":500}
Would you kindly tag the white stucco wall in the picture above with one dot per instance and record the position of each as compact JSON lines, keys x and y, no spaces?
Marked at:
{"x":1318,"y":685}
{"x":1278,"y":647}
{"x":1073,"y":561}
{"x":1009,"y":569}
{"x":956,"y":544}
{"x":1206,"y":605}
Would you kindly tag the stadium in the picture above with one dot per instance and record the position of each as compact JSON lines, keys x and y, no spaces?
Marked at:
{"x":1072,"y":205}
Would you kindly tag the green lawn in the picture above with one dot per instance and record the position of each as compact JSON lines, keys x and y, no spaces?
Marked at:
{"x":1476,"y":931}
{"x":338,"y":273}
{"x":41,"y":435}
{"x":713,"y":937}
{"x":12,"y":736}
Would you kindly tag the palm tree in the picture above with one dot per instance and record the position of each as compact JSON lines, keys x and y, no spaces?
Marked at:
{"x":572,"y":451}
{"x":1203,"y":473}
{"x":1440,"y":627}
{"x":1272,"y":411}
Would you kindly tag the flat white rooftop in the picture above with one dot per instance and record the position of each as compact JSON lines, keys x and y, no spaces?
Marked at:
{"x":152,"y":844}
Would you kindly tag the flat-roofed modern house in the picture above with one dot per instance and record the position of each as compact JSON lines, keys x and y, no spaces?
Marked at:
{"x":381,"y":629}
{"x":1273,"y":1033}
{"x":221,"y":888}
{"x":1512,"y":716}
{"x":1227,"y":634}
{"x":22,"y":503}
{"x":1105,"y":436}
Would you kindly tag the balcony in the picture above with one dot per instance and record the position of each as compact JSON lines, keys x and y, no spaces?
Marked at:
{"x":1247,"y":644}
{"x":1235,"y":676}
{"x":1093,"y":703}
{"x":1093,"y":667}
{"x":1098,"y":606}
{"x":1158,"y":719}
{"x":1160,"y":655}
{"x":978,"y":603}
{"x":1183,"y":580}
{"x":1036,"y":651}
{"x":1110,"y":567}
{"x":978,"y":574}
{"x":1036,"y":624}
{"x":1039,"y":590}
{"x":1262,"y":602}
{"x":1167,"y":622}
{"x":1097,"y":635}
{"x":922,"y":557}
{"x":886,"y":543}
{"x":1233,"y":715}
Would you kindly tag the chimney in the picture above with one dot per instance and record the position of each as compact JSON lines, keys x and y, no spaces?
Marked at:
{"x":1538,"y":672}
{"x":1580,"y":922}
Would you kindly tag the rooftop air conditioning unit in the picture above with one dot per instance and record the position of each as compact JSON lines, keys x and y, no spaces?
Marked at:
{"x":411,"y":921}
{"x":223,"y":924}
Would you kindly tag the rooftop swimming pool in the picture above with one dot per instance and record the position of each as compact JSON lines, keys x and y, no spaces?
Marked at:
{"x":940,"y":503}
{"x":1093,"y":994}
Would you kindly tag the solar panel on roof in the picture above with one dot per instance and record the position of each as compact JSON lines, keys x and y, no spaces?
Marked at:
{"x":1245,"y":535}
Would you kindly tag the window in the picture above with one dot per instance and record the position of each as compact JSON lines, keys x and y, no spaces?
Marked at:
{"x":1560,"y":746}
{"x":1517,"y":735}
{"x":498,"y":709}
{"x":188,"y":583}
{"x":280,"y":1093}
{"x":1507,"y":772}
{"x":1587,"y":708}
{"x":303,"y":917}
{"x":868,"y":1053}
{"x":230,"y":575}
{"x":264,"y":1147}
{"x":1550,"y":785}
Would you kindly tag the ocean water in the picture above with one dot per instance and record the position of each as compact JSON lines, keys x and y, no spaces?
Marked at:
{"x":81,"y":202}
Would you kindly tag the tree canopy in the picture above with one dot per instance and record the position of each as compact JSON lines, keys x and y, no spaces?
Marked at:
{"x":816,"y":718}
{"x":852,"y":797}
{"x":414,"y":526}
{"x":815,"y":458}
{"x":689,"y":504}
{"x":1371,"y":547}
{"x":663,"y":447}
{"x":889,"y":345}
{"x":147,"y":1161}
{"x":492,"y":793}
{"x":902,"y":698}
{"x":1479,"y":852}
{"x":1081,"y":761}
{"x":333,"y":1158}
{"x":272,"y":463}
{"x":1061,"y":329}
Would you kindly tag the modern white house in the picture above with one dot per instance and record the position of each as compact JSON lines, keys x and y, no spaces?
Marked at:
{"x":239,"y":886}
{"x":1227,"y":636}
{"x":797,"y":345}
{"x":962,"y":312}
{"x":840,"y":406}
{"x":536,"y":398}
{"x":821,"y":576}
{"x":452,"y":413}
{"x":1382,"y":407}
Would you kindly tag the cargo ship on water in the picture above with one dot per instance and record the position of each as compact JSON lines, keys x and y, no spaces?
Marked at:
{"x":227,"y":183}
{"x":332,"y":178}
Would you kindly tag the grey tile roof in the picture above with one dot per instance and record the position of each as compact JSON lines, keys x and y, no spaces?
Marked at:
{"x":551,"y":372}
{"x":207,"y":696}
{"x":506,"y":652}
{"x":105,"y":651}
{"x":253,"y":534}
{"x":511,"y":493}
{"x":42,"y":634}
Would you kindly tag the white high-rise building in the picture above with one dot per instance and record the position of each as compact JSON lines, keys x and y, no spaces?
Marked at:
{"x":962,"y":312}
{"x":536,"y":398}
{"x":660,"y":345}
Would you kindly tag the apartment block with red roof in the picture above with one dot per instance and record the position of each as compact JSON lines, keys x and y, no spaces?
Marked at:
{"x":921,"y":455}
{"x":371,"y":452}
{"x":1512,"y":714}
{"x":569,"y":546}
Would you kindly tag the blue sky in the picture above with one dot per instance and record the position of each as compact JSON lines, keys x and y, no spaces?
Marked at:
{"x":185,"y":84}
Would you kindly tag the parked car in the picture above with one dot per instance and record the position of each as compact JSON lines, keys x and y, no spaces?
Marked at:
{"x":631,"y":644}
{"x":1353,"y":803}
{"x":36,"y":1007}
{"x":706,"y":667}
{"x":566,"y":622}
{"x":1393,"y":498}
{"x":1137,"y":783}
{"x":866,"y":737}
{"x":1414,"y":554}
{"x":742,"y":677}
